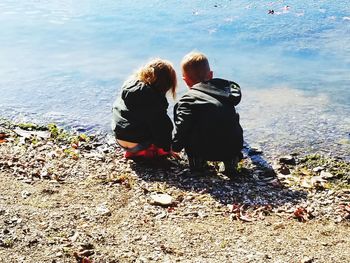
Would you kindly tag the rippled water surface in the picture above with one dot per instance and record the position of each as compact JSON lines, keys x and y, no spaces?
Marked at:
{"x":64,"y":61}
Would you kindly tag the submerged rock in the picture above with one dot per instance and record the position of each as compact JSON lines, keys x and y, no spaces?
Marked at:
{"x":287,"y":159}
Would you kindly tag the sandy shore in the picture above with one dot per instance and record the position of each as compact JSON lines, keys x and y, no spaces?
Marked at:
{"x":68,"y":197}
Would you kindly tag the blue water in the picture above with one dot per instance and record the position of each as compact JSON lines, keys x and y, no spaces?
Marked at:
{"x":64,"y":61}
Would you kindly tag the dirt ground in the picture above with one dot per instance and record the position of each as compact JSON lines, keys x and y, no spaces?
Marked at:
{"x":69,"y":200}
{"x":49,"y":222}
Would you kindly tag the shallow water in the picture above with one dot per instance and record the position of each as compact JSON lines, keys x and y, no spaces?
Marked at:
{"x":64,"y":61}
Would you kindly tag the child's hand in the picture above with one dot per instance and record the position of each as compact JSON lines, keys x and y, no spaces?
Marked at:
{"x":175,"y":155}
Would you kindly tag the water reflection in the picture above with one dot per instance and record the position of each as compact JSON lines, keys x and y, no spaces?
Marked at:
{"x":285,"y":120}
{"x":64,"y":60}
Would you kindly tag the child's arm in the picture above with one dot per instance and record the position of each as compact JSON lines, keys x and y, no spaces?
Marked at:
{"x":183,"y":120}
{"x":161,"y":127}
{"x":149,"y":108}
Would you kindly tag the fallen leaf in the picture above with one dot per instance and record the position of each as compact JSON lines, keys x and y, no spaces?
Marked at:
{"x":81,"y":258}
{"x":306,"y":172}
{"x":301,"y":214}
{"x":234,"y":208}
{"x":245,"y":218}
{"x":347,"y":208}
{"x":86,"y":260}
{"x":240,"y":212}
{"x":167,"y":250}
{"x":3,"y":136}
{"x":75,"y":145}
{"x":171,"y":209}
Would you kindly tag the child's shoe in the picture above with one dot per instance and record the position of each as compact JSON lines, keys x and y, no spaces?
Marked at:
{"x":230,"y":168}
{"x":151,"y":152}
{"x":161,"y":152}
{"x":231,"y":173}
{"x":130,"y":155}
{"x":198,"y":166}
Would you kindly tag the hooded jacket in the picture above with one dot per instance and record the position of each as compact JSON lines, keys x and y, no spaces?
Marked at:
{"x":206,"y":121}
{"x":140,"y":115}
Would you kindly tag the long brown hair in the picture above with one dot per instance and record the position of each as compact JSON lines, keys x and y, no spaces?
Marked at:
{"x":160,"y":74}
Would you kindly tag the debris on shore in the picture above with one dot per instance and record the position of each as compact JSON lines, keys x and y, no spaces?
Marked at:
{"x":294,"y":187}
{"x":31,"y":153}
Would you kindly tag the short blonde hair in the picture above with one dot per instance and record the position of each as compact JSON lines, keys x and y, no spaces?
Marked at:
{"x":195,"y":66}
{"x":160,"y":74}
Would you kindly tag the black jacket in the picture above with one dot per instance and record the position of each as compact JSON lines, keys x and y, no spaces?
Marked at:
{"x":140,"y":115}
{"x":206,"y":121}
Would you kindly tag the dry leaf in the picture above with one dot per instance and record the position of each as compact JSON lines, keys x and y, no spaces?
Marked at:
{"x":3,"y":136}
{"x":301,"y":214}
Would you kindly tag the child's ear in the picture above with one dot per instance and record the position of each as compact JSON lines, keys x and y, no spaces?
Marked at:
{"x":210,"y":75}
{"x":188,"y":81}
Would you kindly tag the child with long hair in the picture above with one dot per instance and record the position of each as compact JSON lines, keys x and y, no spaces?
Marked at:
{"x":140,"y":121}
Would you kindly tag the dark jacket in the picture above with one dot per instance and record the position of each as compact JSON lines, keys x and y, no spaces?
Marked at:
{"x":206,"y":121}
{"x":140,"y":115}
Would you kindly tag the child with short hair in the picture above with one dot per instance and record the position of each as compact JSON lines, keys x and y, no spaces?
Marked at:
{"x":207,"y":124}
{"x":140,"y":121}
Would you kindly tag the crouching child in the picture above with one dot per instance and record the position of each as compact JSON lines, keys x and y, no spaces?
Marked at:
{"x":207,"y":124}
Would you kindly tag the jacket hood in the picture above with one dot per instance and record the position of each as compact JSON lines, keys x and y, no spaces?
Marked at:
{"x":131,"y":88}
{"x":221,"y":88}
{"x":135,"y":92}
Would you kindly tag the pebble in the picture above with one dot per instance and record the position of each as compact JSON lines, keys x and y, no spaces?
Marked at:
{"x":284,"y":170}
{"x":287,"y":159}
{"x":25,"y":194}
{"x":279,"y":225}
{"x":254,"y":150}
{"x":161,"y":215}
{"x":307,"y":260}
{"x":194,"y":198}
{"x":103,"y":210}
{"x":318,"y":169}
{"x":161,"y":199}
{"x":326,"y":175}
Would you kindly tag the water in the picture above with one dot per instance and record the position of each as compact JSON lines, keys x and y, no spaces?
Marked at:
{"x":64,"y":61}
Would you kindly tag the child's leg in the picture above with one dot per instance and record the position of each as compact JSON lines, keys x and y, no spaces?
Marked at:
{"x":134,"y":147}
{"x":231,"y":166}
{"x":197,"y":164}
{"x":126,"y":144}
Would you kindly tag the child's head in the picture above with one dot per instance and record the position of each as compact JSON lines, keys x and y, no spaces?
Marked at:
{"x":195,"y":68}
{"x":159,"y":74}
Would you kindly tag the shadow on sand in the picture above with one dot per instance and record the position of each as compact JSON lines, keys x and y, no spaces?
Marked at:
{"x":257,"y":183}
